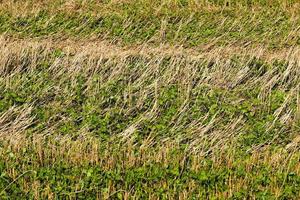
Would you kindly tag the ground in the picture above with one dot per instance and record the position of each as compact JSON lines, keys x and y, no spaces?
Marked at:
{"x":140,"y":99}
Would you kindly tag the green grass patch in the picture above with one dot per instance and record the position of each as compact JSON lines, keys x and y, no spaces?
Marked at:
{"x":273,"y":28}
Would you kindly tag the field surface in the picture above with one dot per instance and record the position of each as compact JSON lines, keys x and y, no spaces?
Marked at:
{"x":141,"y":99}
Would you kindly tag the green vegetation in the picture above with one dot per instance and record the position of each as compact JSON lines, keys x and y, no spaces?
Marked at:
{"x":98,"y":101}
{"x":141,"y":21}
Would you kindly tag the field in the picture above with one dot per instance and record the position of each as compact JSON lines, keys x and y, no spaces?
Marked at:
{"x":141,"y":99}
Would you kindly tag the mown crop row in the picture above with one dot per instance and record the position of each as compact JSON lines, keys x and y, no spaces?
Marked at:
{"x":91,"y":122}
{"x":137,"y":22}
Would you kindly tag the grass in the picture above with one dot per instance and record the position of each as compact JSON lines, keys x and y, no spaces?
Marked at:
{"x":190,"y":26}
{"x":140,"y":100}
{"x":69,"y":116}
